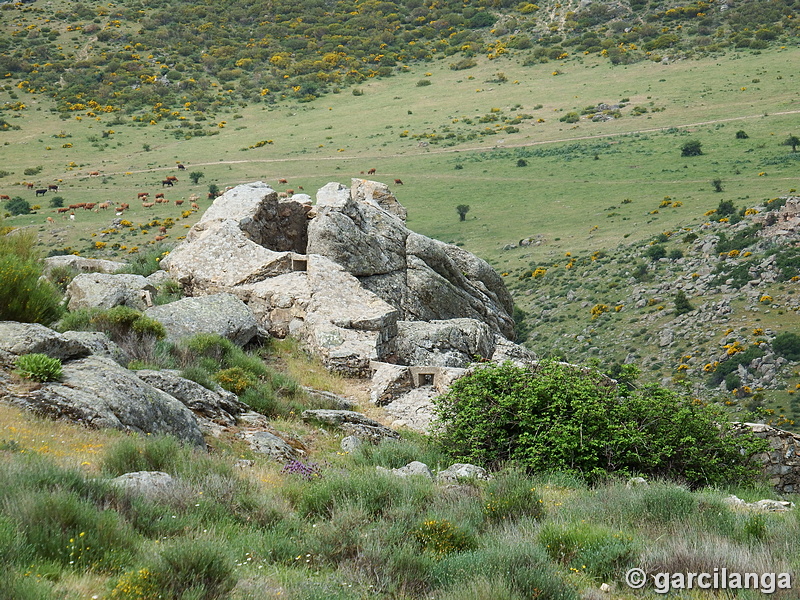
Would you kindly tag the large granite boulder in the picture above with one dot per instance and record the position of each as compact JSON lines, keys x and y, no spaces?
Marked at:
{"x":102,"y":290}
{"x":79,"y":263}
{"x":450,"y":343}
{"x":223,"y":314}
{"x":17,"y":339}
{"x":352,"y":423}
{"x":98,"y":392}
{"x":218,"y":406}
{"x":341,"y":274}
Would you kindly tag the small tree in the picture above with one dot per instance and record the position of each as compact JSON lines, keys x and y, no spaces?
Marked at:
{"x":682,"y":304}
{"x":522,"y":162}
{"x":787,"y":345}
{"x":717,"y":183}
{"x":56,"y":202}
{"x":213,"y":189}
{"x":462,"y":210}
{"x":792,"y":141}
{"x":18,"y":206}
{"x":692,"y":148}
{"x":196,"y":176}
{"x":656,"y":252}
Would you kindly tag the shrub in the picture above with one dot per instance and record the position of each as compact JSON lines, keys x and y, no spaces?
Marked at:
{"x":562,"y":417}
{"x":18,"y":206}
{"x":24,"y":296}
{"x":197,"y":569}
{"x":682,"y":304}
{"x":656,"y":252}
{"x":235,"y":379}
{"x":787,"y":345}
{"x":570,"y":117}
{"x":439,"y":538}
{"x":741,"y":135}
{"x":159,"y":453}
{"x":509,"y":496}
{"x":692,"y":148}
{"x":38,"y":367}
{"x":598,"y":550}
{"x":423,"y":82}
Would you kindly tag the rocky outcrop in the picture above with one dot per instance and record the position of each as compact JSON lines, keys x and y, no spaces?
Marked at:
{"x":352,"y":423}
{"x":340,"y":275}
{"x":79,"y":263}
{"x":98,"y":392}
{"x":101,"y":290}
{"x":98,"y":343}
{"x":451,"y":343}
{"x":781,"y":462}
{"x":222,"y":314}
{"x":17,"y":339}
{"x":218,"y":406}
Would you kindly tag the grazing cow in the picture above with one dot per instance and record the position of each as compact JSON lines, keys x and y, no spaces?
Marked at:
{"x":62,"y":210}
{"x":94,"y":174}
{"x":124,"y":206}
{"x":159,"y":195}
{"x":194,"y":206}
{"x":41,"y":192}
{"x":5,"y":197}
{"x":398,"y":182}
{"x":162,"y":229}
{"x":283,"y":195}
{"x":181,"y":167}
{"x":372,"y":171}
{"x":290,"y":192}
{"x":167,"y":182}
{"x":30,"y":185}
{"x":148,"y":204}
{"x":178,"y":202}
{"x":282,"y":180}
{"x":50,"y":220}
{"x":172,"y":178}
{"x":52,"y":188}
{"x":89,"y":205}
{"x":159,"y":238}
{"x":299,"y":187}
{"x":194,"y":198}
{"x":104,"y":205}
{"x":141,"y":195}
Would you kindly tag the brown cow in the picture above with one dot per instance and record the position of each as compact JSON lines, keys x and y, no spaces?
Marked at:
{"x":63,"y":210}
{"x":159,"y":195}
{"x":160,"y":237}
{"x":282,"y":180}
{"x":94,"y":173}
{"x":167,"y":182}
{"x":372,"y":171}
{"x":172,"y":178}
{"x":142,"y":194}
{"x":52,"y":188}
{"x":89,"y":205}
{"x":290,"y":192}
{"x":30,"y":185}
{"x":50,"y":220}
{"x":148,"y":204}
{"x":162,"y":229}
{"x":194,"y":206}
{"x":181,"y":167}
{"x":398,"y":182}
{"x":104,"y":205}
{"x":5,"y":197}
{"x":124,"y":206}
{"x":178,"y":202}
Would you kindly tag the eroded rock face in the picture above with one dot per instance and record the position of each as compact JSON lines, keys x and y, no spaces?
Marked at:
{"x":102,"y":290}
{"x":17,"y":339}
{"x":222,"y":314}
{"x":98,"y":392}
{"x":339,"y":275}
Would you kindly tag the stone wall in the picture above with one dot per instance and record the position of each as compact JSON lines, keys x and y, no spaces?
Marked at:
{"x":781,"y":462}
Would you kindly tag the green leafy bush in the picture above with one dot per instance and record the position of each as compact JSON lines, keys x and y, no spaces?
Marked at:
{"x":38,"y":367}
{"x":787,"y":345}
{"x":563,"y":417}
{"x":18,"y":206}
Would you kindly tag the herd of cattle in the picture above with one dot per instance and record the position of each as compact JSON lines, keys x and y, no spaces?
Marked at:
{"x":144,"y":197}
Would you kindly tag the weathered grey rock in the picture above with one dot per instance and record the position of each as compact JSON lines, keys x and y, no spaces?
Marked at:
{"x":451,"y":343}
{"x":98,"y":343}
{"x":153,"y":485}
{"x":220,"y":406}
{"x":635,"y":482}
{"x":272,"y":446}
{"x":760,"y":505}
{"x":159,"y":279}
{"x":27,"y":338}
{"x":84,"y":265}
{"x":506,"y":350}
{"x":102,"y":290}
{"x":352,"y":423}
{"x":335,"y":400}
{"x":388,"y":382}
{"x":222,"y":314}
{"x":351,"y":443}
{"x":379,"y":194}
{"x":414,"y":469}
{"x":98,"y":392}
{"x":459,"y":471}
{"x":414,"y":409}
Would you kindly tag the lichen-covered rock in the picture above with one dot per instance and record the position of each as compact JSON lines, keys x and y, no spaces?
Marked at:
{"x":17,"y":339}
{"x":153,"y":485}
{"x":222,"y":314}
{"x":98,"y":343}
{"x":352,"y":423}
{"x":79,"y":263}
{"x":450,"y":343}
{"x":220,"y":407}
{"x":272,"y":446}
{"x":457,"y":472}
{"x":98,"y":392}
{"x":102,"y":290}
